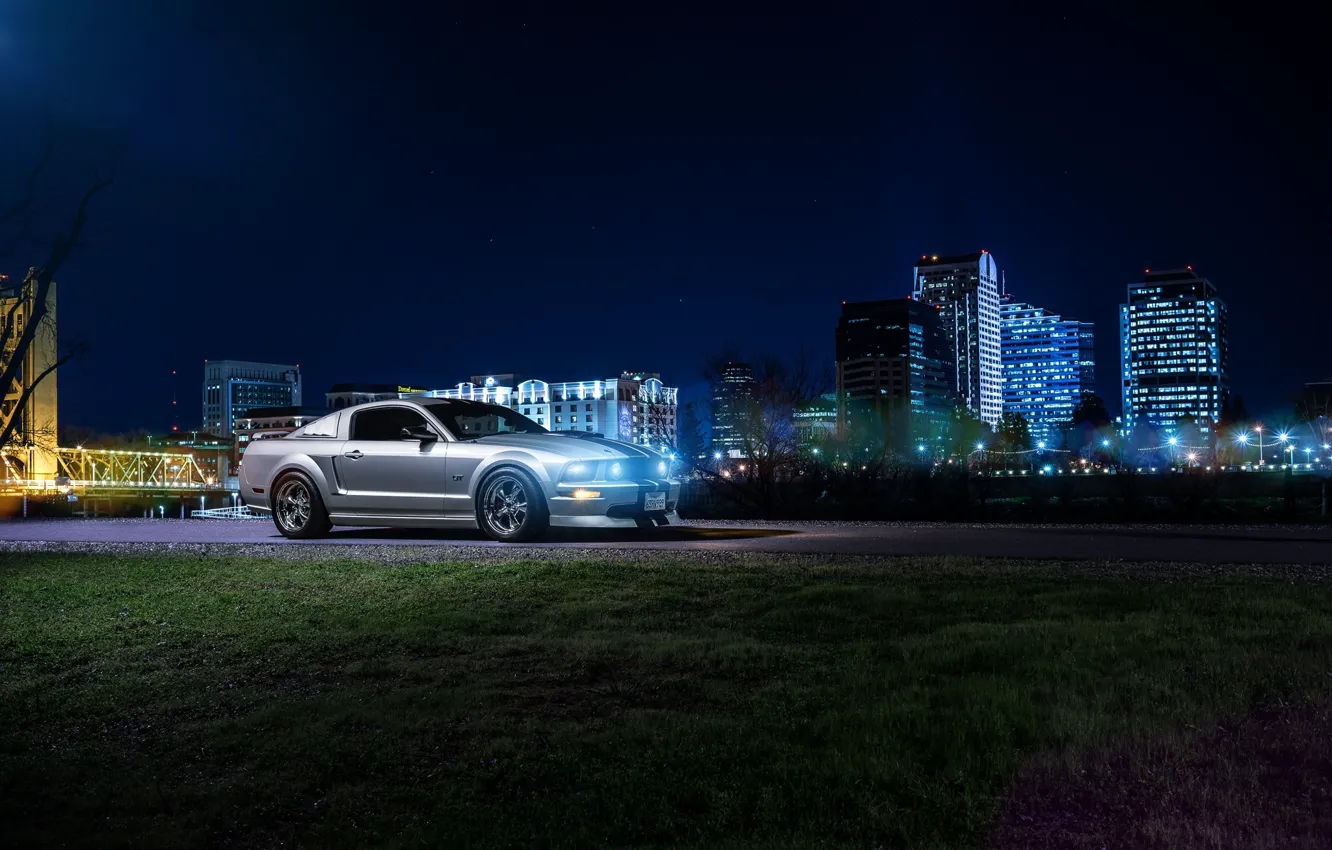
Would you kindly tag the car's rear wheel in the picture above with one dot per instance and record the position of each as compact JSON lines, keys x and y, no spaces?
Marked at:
{"x":510,"y":507}
{"x":298,"y":509}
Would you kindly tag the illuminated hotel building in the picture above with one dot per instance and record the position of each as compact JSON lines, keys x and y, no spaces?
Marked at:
{"x":894,"y":372}
{"x":231,"y":388}
{"x":966,"y":289}
{"x":1174,"y":359}
{"x":1049,"y":362}
{"x":635,"y":408}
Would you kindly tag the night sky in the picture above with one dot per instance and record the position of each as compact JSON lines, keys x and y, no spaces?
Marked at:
{"x":419,"y":197}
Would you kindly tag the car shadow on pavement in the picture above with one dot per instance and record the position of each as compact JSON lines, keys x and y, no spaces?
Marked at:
{"x":667,"y":534}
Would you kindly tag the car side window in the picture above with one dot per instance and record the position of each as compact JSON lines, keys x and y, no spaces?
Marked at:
{"x":384,"y":423}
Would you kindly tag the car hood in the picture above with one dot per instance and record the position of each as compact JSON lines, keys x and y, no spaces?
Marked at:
{"x":574,"y":448}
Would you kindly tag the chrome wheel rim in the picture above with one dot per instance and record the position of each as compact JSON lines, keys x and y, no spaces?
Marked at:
{"x":505,"y":504}
{"x":291,"y":505}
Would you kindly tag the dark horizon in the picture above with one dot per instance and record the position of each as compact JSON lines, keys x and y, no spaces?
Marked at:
{"x":421,"y":197}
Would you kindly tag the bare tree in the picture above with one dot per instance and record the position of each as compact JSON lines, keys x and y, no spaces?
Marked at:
{"x":18,"y":337}
{"x":764,"y":428}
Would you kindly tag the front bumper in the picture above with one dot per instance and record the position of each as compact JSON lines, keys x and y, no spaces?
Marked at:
{"x":620,"y":504}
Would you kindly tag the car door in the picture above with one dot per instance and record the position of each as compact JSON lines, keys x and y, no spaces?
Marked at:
{"x":381,"y":473}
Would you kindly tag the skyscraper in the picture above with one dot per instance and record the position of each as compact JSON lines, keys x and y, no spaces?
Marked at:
{"x":1049,"y":362}
{"x":732,"y":399}
{"x":233,"y":387}
{"x":966,"y":289}
{"x":895,"y":371}
{"x":1174,"y":359}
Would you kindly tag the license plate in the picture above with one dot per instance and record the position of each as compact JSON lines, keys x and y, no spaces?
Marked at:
{"x":654,"y":502}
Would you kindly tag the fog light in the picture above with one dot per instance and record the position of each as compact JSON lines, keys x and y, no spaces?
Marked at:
{"x":662,"y":468}
{"x":586,"y":494}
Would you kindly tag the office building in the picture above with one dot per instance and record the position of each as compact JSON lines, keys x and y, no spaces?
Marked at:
{"x":894,"y":372}
{"x":966,"y":289}
{"x":1049,"y":362}
{"x":231,"y":388}
{"x":350,"y":395}
{"x":733,"y":397}
{"x":635,"y":408}
{"x":1174,"y":360}
{"x":33,"y":444}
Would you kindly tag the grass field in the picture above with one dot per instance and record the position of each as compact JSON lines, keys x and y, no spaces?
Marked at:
{"x":175,"y":701}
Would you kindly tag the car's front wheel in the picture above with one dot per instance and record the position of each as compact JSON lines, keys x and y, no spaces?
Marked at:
{"x":510,"y":507}
{"x":298,"y":509}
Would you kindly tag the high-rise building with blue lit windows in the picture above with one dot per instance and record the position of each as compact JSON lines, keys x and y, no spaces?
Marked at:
{"x":1049,"y":362}
{"x":233,"y":387}
{"x":1174,"y":358}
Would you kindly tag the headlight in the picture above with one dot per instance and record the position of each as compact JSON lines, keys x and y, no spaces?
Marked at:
{"x":580,"y":471}
{"x":616,"y":470}
{"x":663,"y":468}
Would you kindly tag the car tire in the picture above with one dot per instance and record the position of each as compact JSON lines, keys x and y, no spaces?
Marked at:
{"x":510,"y":506}
{"x":298,"y":509}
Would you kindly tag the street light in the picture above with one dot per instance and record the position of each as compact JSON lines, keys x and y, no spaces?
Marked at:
{"x":1041,"y":444}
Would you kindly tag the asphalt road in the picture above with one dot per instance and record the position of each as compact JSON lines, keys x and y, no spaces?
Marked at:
{"x":1195,"y":544}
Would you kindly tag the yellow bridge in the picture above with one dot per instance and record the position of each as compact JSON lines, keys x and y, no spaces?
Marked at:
{"x":106,"y":470}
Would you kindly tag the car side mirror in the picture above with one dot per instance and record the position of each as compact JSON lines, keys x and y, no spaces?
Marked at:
{"x":419,"y":432}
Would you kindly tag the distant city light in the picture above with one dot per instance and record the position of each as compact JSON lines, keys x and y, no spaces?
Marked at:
{"x":1105,"y":443}
{"x":920,"y":448}
{"x":716,"y":455}
{"x":1041,"y":444}
{"x":1174,"y":441}
{"x":980,"y":447}
{"x":1283,"y":437}
{"x":1242,"y":439}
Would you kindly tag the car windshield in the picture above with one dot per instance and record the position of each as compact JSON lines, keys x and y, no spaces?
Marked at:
{"x":471,"y":420}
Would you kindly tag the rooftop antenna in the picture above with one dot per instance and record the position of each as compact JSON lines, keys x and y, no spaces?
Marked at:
{"x":1003,"y":284}
{"x":175,"y":411}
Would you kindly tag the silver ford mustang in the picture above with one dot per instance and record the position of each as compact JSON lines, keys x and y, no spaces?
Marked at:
{"x":444,"y":463}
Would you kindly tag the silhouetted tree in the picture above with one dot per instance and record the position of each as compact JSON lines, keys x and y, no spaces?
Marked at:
{"x":1014,"y":433}
{"x":690,"y":443}
{"x":769,"y":444}
{"x":18,"y":337}
{"x":1091,"y":410}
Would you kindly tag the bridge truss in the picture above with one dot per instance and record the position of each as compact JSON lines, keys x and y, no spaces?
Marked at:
{"x":111,"y":469}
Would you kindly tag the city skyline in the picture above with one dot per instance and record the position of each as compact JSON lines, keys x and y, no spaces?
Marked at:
{"x":723,"y":186}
